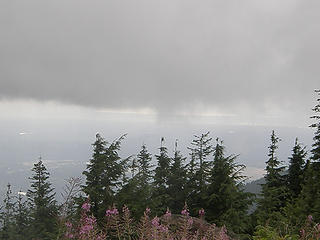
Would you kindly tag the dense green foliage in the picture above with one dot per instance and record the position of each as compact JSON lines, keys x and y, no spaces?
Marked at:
{"x":103,"y":175}
{"x":207,"y":179}
{"x":42,"y":204}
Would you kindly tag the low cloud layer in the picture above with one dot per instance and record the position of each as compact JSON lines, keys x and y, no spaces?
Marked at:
{"x":164,"y":55}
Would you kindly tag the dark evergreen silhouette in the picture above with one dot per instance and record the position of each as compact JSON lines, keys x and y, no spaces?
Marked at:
{"x":273,"y":191}
{"x":296,"y":170}
{"x":160,"y":194}
{"x":136,"y":192}
{"x":177,"y":182}
{"x":198,"y":169}
{"x":42,"y":203}
{"x":7,"y":216}
{"x":104,"y":175}
{"x":226,"y":202}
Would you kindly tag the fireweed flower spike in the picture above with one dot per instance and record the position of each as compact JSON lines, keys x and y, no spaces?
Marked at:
{"x":86,"y":206}
{"x":201,"y":213}
{"x":112,"y":212}
{"x":167,"y":215}
{"x":185,"y":212}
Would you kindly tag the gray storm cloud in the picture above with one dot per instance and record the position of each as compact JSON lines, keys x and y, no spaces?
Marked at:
{"x":165,"y":55}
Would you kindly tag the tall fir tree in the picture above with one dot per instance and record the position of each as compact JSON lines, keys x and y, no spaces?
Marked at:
{"x":43,"y":209}
{"x":128,"y":194}
{"x":198,"y":169}
{"x":273,"y":193}
{"x":177,"y":182}
{"x":296,"y":170}
{"x":7,"y":216}
{"x":22,"y":217}
{"x":104,"y":175}
{"x":316,"y":157}
{"x":226,"y":202}
{"x":316,"y":125}
{"x":160,"y":195}
{"x":144,"y":162}
{"x":136,"y":193}
{"x":144,"y":178}
{"x":308,"y":201}
{"x":297,"y":176}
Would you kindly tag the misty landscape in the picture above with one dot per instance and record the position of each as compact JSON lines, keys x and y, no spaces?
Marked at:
{"x":170,"y":119}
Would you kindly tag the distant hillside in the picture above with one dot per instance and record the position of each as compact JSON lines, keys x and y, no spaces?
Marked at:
{"x":254,"y":186}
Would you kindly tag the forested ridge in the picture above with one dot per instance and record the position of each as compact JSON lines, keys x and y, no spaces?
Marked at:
{"x":172,"y":196}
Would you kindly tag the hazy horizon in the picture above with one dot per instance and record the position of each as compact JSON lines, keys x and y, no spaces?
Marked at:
{"x":152,"y":69}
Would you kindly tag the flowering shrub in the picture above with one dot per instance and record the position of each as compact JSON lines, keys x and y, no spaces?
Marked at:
{"x":310,"y":231}
{"x":121,"y":226}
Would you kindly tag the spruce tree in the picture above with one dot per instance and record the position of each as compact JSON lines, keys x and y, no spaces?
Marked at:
{"x":160,"y":195}
{"x":104,"y":175}
{"x":296,"y":169}
{"x":144,"y":166}
{"x":7,"y":216}
{"x":177,"y":182}
{"x":22,"y":217}
{"x":308,"y":201}
{"x":198,"y":169}
{"x":226,"y":202}
{"x":316,"y":144}
{"x":136,"y":192}
{"x":144,"y":178}
{"x":41,"y":198}
{"x":273,"y":193}
{"x":128,"y":195}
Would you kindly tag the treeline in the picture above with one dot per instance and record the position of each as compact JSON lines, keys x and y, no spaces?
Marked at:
{"x":205,"y":179}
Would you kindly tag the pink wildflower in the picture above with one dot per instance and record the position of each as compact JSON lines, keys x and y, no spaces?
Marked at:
{"x":201,"y":212}
{"x":167,"y":214}
{"x":69,"y":235}
{"x":163,"y":228}
{"x":68,"y":224}
{"x":155,"y":222}
{"x":112,"y":212}
{"x":86,"y":206}
{"x":85,"y":229}
{"x":148,"y":210}
{"x":185,"y":212}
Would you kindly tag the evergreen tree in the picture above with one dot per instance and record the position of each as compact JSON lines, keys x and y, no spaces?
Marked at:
{"x":308,"y":201}
{"x":192,"y":190}
{"x":22,"y":217}
{"x":198,"y":169}
{"x":41,"y":197}
{"x":227,"y":203}
{"x":297,"y":210}
{"x":177,"y":182}
{"x":136,"y":192}
{"x":144,"y":178}
{"x":316,"y":145}
{"x":316,"y":158}
{"x":128,"y":195}
{"x":273,"y":191}
{"x":103,"y":175}
{"x":144,"y":166}
{"x":296,"y":169}
{"x":160,"y":195}
{"x":7,"y":216}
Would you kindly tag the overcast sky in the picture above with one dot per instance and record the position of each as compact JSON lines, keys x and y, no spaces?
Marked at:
{"x":252,"y":56}
{"x":135,"y":64}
